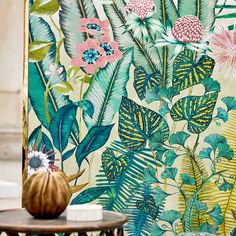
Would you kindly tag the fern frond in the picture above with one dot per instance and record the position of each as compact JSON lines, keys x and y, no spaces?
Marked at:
{"x":227,"y":200}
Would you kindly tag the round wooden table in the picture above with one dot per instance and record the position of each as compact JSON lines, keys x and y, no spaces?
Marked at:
{"x":20,"y":221}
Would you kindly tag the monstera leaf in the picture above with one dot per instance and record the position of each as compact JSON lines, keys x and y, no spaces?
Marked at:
{"x":187,"y":72}
{"x":138,"y":124}
{"x":145,"y":54}
{"x":204,"y":10}
{"x":110,"y":84}
{"x":196,"y":110}
{"x":143,"y":81}
{"x":113,"y":165}
{"x":71,"y":11}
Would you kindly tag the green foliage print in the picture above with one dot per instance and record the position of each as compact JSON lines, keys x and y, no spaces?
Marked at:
{"x":127,"y":94}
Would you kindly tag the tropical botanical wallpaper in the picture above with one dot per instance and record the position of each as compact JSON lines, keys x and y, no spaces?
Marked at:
{"x":136,"y":99}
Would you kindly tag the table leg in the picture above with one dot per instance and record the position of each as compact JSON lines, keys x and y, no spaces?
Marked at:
{"x":82,"y":234}
{"x":12,"y":234}
{"x":120,"y":232}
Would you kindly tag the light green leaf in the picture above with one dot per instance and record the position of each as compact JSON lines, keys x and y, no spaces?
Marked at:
{"x":72,"y":72}
{"x":138,"y":124}
{"x":170,"y":216}
{"x":211,"y":85}
{"x":205,"y":153}
{"x":186,"y":179}
{"x":216,"y":214}
{"x":160,"y":196}
{"x":44,"y":7}
{"x":179,"y":138}
{"x":170,"y":157}
{"x":169,"y":173}
{"x":38,"y":50}
{"x":110,"y":84}
{"x":63,"y":87}
{"x":196,"y":110}
{"x":187,"y":72}
{"x":230,"y":103}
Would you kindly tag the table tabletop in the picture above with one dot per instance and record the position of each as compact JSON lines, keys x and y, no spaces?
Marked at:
{"x":19,"y":220}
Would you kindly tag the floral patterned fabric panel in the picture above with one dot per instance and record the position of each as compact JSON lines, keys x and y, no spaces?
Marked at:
{"x":138,"y":97}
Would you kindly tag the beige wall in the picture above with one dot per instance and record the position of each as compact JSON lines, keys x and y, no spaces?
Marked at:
{"x":11,"y":73}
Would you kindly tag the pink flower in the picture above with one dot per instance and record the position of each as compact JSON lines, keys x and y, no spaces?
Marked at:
{"x":188,"y":29}
{"x":93,"y":26}
{"x":111,"y":49}
{"x":140,"y":7}
{"x":52,"y":69}
{"x":223,"y":45}
{"x":90,"y":56}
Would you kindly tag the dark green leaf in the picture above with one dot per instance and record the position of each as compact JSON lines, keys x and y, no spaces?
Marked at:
{"x":160,"y":196}
{"x":88,"y":108}
{"x":230,"y":15}
{"x":170,"y":157}
{"x":230,"y":103}
{"x":89,"y":195}
{"x":61,"y":126}
{"x":211,"y":85}
{"x":179,"y":138}
{"x":187,"y":72}
{"x":113,"y":165}
{"x":156,"y":230}
{"x":137,"y":124}
{"x":95,"y":139}
{"x":169,"y":173}
{"x":216,"y":214}
{"x":170,"y":216}
{"x":205,"y":153}
{"x":196,"y":110}
{"x":68,"y":154}
{"x":144,"y":81}
{"x":186,"y":179}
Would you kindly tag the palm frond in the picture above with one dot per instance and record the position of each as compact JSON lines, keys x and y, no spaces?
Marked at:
{"x":227,"y":200}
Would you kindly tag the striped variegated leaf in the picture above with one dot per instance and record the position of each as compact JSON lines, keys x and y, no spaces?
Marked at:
{"x":113,"y":165}
{"x":187,"y":72}
{"x":196,"y":110}
{"x":138,"y":124}
{"x":144,"y":81}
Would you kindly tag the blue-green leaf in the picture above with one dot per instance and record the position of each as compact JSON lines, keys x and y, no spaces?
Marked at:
{"x":110,"y":84}
{"x":95,"y":139}
{"x":179,"y":138}
{"x":144,"y":81}
{"x":211,"y":85}
{"x":196,"y":110}
{"x":89,"y":195}
{"x":230,"y":103}
{"x":170,"y":216}
{"x":150,"y":176}
{"x":186,"y":179}
{"x":169,"y":173}
{"x":156,"y":230}
{"x":68,"y":154}
{"x":224,"y":150}
{"x":214,"y":140}
{"x":61,"y":126}
{"x":208,"y":228}
{"x":222,"y":114}
{"x":137,"y":124}
{"x":200,"y":206}
{"x":71,"y":11}
{"x":204,"y":10}
{"x":164,"y":109}
{"x":205,"y":153}
{"x":216,"y":214}
{"x":160,"y":196}
{"x":40,"y":141}
{"x":225,"y":186}
{"x":145,"y":54}
{"x":187,"y":72}
{"x":113,"y":165}
{"x":170,"y":157}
